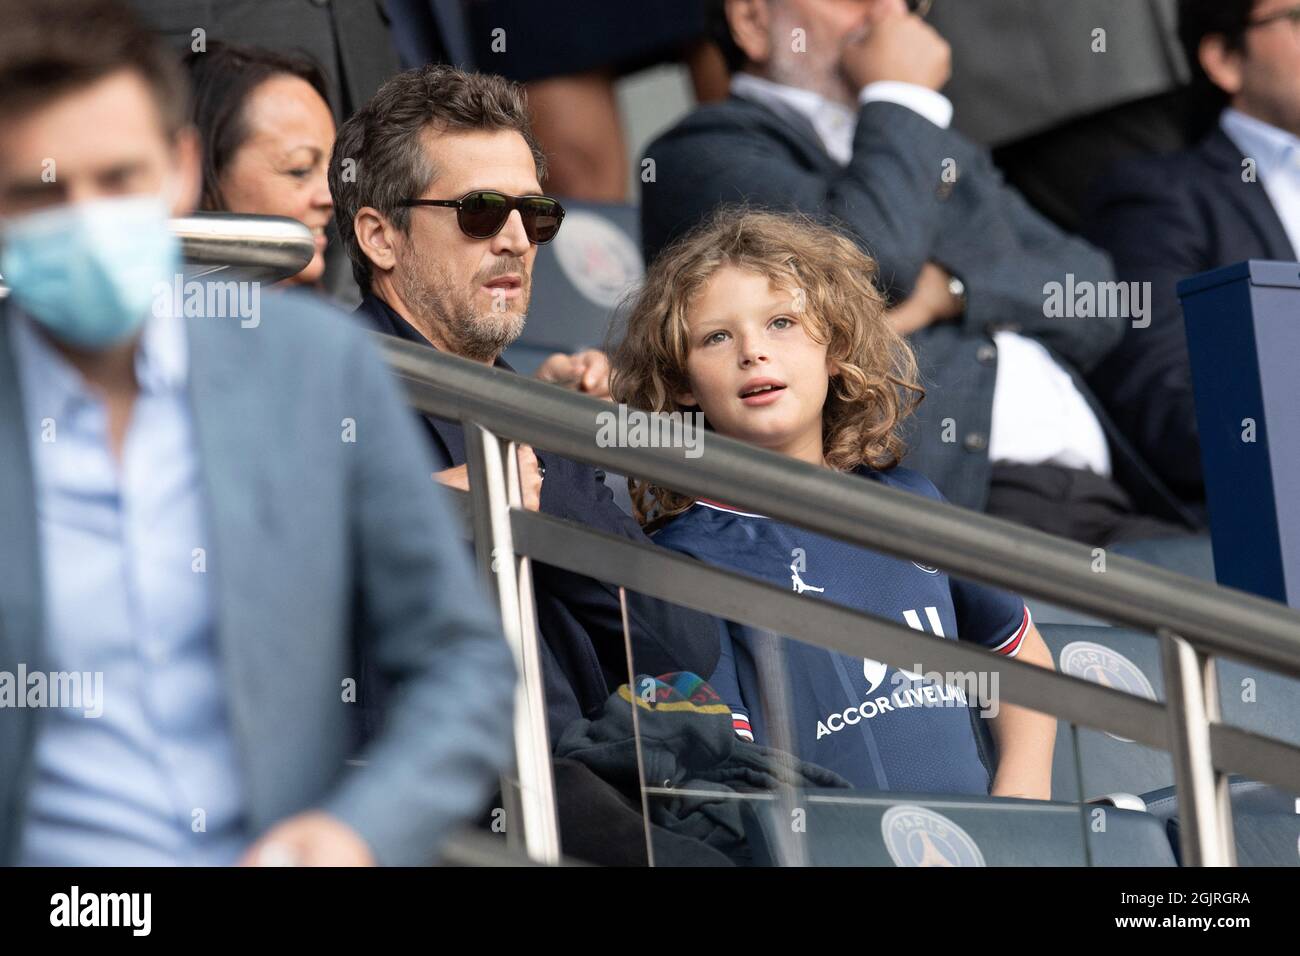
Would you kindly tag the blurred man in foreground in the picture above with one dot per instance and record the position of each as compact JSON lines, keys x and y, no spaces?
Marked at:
{"x":212,"y":518}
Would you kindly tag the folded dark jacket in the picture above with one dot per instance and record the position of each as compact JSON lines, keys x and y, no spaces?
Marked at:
{"x":688,"y":746}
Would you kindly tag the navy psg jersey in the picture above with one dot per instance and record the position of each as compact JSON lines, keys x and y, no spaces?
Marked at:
{"x":877,"y":726}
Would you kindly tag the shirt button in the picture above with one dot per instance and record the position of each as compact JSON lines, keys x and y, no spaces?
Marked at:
{"x":975,"y":442}
{"x":986,"y":353}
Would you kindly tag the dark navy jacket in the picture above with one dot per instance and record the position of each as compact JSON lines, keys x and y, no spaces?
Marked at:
{"x":579,"y":617}
{"x":1163,"y":218}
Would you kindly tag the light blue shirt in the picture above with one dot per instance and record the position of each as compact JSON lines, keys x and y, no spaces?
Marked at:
{"x":154,"y":780}
{"x":1277,"y":163}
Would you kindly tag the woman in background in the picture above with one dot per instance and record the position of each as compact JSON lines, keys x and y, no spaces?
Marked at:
{"x":266,"y":132}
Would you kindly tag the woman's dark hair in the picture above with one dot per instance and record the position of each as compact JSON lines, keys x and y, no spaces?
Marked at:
{"x":1198,"y":19}
{"x":223,"y":78}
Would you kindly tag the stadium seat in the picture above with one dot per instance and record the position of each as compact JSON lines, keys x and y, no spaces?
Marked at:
{"x":578,"y":280}
{"x":1250,"y":698}
{"x":921,"y":830}
{"x":1192,"y":556}
{"x":1265,"y":821}
{"x":1125,"y":660}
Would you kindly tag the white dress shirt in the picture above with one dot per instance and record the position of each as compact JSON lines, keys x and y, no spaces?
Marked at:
{"x":1039,"y":416}
{"x":1277,"y":162}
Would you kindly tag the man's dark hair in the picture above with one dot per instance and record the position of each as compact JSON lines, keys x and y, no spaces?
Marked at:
{"x":224,"y":77}
{"x":1198,"y":19}
{"x":379,"y":157}
{"x":48,"y":50}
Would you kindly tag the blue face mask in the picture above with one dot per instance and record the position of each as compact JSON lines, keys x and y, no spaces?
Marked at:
{"x":89,"y":272}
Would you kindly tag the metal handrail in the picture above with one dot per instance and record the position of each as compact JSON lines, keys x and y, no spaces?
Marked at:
{"x":258,"y":248}
{"x":1193,"y":619}
{"x":972,"y":545}
{"x":263,"y":248}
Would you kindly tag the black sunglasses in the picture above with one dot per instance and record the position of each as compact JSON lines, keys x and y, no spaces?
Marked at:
{"x":481,"y":213}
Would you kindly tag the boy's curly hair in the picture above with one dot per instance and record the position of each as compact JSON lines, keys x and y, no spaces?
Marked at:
{"x":832,"y":283}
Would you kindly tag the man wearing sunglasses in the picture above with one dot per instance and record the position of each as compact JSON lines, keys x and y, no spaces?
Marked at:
{"x":439,"y":203}
{"x":1233,"y":196}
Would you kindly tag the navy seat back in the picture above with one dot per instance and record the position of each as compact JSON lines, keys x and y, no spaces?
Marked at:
{"x":1122,"y":659}
{"x":578,"y":279}
{"x":851,"y":829}
{"x":1265,"y":822}
{"x":1190,"y":555}
{"x":1250,"y":697}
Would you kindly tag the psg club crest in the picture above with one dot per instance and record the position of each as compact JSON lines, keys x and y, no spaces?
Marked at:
{"x":1101,"y":665}
{"x":915,"y":836}
{"x":597,"y":257}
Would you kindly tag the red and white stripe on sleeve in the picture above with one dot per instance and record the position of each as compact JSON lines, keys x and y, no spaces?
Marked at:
{"x":740,"y":724}
{"x":1011,"y":646}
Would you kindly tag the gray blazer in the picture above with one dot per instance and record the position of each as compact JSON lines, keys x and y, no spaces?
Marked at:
{"x":323,"y":552}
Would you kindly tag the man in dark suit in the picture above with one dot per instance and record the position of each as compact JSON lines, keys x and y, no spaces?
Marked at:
{"x":836,"y":112}
{"x":441,"y":134}
{"x":1234,"y":196}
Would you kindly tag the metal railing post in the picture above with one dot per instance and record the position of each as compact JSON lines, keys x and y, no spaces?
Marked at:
{"x":1204,"y":810}
{"x":1222,"y":791}
{"x":494,"y":489}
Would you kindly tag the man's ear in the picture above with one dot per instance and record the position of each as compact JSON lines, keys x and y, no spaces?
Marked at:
{"x":375,"y":234}
{"x":686,"y":398}
{"x":749,"y":21}
{"x":1222,"y":64}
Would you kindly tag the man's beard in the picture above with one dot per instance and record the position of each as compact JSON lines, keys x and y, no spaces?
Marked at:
{"x":816,"y":70}
{"x":450,"y":312}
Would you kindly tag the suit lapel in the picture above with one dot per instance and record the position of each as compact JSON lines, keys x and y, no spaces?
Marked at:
{"x":791,"y":127}
{"x":1222,"y":153}
{"x":21,"y":611}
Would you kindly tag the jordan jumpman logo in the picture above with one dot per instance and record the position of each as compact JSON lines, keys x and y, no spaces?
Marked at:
{"x":796,"y":582}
